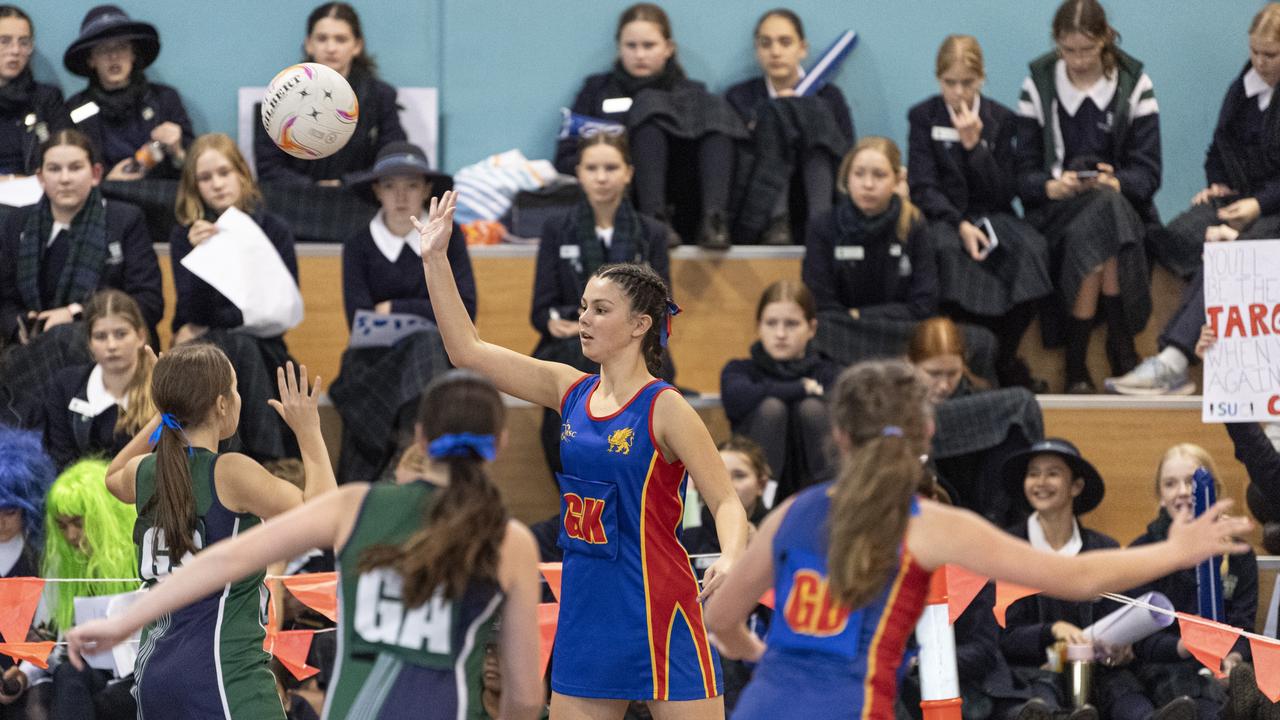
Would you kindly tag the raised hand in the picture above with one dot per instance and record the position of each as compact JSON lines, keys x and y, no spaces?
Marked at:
{"x":969,"y":126}
{"x":299,"y":407}
{"x":438,"y":228}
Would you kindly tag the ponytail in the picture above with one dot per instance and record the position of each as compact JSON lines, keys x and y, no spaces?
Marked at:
{"x":174,"y":500}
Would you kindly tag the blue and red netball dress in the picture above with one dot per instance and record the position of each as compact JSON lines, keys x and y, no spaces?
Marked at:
{"x":824,"y":661}
{"x":630,"y":622}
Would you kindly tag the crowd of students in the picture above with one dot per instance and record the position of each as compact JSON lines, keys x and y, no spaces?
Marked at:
{"x":921,"y":256}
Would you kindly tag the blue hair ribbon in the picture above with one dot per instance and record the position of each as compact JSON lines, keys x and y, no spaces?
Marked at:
{"x":664,"y":332}
{"x":171,"y":422}
{"x":463,"y":445}
{"x":891,"y":431}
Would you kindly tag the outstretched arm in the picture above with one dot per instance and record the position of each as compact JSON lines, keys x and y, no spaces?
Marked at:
{"x":543,"y":383}
{"x":728,"y":610}
{"x":943,"y":535}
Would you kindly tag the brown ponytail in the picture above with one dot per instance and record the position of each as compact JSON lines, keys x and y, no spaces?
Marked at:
{"x":464,"y":527}
{"x":186,"y":384}
{"x":648,"y":295}
{"x":881,"y":407}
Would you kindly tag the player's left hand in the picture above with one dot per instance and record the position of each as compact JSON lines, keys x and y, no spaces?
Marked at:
{"x":94,"y":637}
{"x":715,"y":577}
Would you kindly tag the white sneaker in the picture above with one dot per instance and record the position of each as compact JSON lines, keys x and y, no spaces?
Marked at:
{"x":1151,"y":377}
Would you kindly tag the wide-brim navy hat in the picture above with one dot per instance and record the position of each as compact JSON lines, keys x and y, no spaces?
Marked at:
{"x":1014,"y":473}
{"x":399,"y":158}
{"x":108,"y":22}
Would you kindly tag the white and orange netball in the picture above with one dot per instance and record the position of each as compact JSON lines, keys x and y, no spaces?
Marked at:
{"x":310,"y":111}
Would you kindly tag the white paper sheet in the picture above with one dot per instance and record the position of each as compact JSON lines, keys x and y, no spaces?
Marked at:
{"x":121,"y":658}
{"x":1242,"y":302}
{"x":21,"y":192}
{"x":370,"y":329}
{"x":242,"y":264}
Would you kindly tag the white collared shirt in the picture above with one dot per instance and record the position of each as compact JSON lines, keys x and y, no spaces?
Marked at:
{"x":1072,"y":97}
{"x":1255,"y":86}
{"x":768,"y":84}
{"x":605,"y":235}
{"x":97,"y":398}
{"x":390,"y":244}
{"x":1035,"y":536}
{"x":57,"y":228}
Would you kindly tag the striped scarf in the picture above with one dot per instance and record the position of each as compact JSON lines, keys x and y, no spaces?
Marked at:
{"x":86,"y":253}
{"x":628,"y":244}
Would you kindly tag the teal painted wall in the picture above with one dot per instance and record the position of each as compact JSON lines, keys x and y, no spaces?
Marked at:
{"x":504,"y":68}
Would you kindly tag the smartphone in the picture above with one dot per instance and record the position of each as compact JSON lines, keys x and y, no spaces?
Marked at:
{"x":992,"y":241}
{"x":1087,"y":174}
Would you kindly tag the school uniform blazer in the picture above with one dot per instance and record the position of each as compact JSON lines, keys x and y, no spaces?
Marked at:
{"x":949,"y":183}
{"x":1029,"y":622}
{"x":1135,"y":136}
{"x":69,"y":435}
{"x":160,"y":104}
{"x":745,"y":384}
{"x":874,"y":284}
{"x":368,"y":278}
{"x":1234,"y":105}
{"x":379,"y":124}
{"x":131,"y":264}
{"x":747,"y":96}
{"x":1259,"y":457}
{"x":198,"y":301}
{"x":556,"y":285}
{"x":20,"y":141}
{"x":1240,"y":601}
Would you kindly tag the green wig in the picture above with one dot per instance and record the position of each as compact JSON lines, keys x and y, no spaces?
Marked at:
{"x":81,"y":491}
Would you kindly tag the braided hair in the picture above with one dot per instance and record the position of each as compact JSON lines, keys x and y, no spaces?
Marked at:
{"x":648,"y":295}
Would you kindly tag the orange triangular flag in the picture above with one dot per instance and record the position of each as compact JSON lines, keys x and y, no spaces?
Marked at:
{"x":1266,"y":667}
{"x":36,"y":652}
{"x":551,"y":571}
{"x":548,"y":617}
{"x":768,"y":598}
{"x":18,"y":600}
{"x":962,"y":587}
{"x":1208,"y":641}
{"x":318,"y":591}
{"x":1007,"y":594}
{"x":291,"y":647}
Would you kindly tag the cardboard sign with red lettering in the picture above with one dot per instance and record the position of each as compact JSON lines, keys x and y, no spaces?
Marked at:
{"x":1242,"y":305}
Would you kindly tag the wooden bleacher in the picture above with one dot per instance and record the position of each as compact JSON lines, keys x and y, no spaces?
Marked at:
{"x":1124,"y":437}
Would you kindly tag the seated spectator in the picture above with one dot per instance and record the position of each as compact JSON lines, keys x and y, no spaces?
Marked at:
{"x":676,"y":128}
{"x":26,"y":473}
{"x":377,"y":388}
{"x":871,"y":267}
{"x":1241,"y":197}
{"x":59,"y":252}
{"x":141,"y":128}
{"x":978,"y":427}
{"x":992,"y":265}
{"x":1088,"y":167}
{"x":334,"y":38}
{"x":215,"y":179}
{"x":89,"y":537}
{"x":29,"y":111}
{"x":1162,"y":663}
{"x":93,"y":409}
{"x":787,"y":169}
{"x":775,"y":397}
{"x":604,"y":227}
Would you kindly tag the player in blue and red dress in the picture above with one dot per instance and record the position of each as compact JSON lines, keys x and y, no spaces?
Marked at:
{"x":850,"y":561}
{"x":631,"y":623}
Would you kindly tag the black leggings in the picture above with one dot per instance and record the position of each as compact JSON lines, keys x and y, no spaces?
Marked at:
{"x":651,"y":150}
{"x":794,"y":439}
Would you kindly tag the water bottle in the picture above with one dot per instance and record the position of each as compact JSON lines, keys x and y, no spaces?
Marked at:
{"x":1080,"y":673}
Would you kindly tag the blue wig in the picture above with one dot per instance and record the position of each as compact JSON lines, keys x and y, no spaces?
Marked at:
{"x":26,"y":472}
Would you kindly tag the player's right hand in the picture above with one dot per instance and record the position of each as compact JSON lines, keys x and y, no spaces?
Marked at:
{"x":438,"y":228}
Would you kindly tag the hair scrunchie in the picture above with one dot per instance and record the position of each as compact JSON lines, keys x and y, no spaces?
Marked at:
{"x":664,"y":331}
{"x":891,"y":431}
{"x":463,"y":445}
{"x":169,"y":421}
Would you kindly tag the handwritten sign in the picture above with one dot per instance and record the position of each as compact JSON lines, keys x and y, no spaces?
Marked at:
{"x":1242,"y":305}
{"x":369,"y":329}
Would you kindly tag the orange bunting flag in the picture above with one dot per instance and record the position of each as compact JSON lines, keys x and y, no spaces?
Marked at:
{"x":551,"y":571}
{"x":318,"y":591}
{"x":1266,"y":667}
{"x":18,"y":600}
{"x":35,"y":652}
{"x":1007,"y":594}
{"x":548,"y":617}
{"x":962,"y":587}
{"x":1208,"y":641}
{"x":768,"y":598}
{"x":291,"y":647}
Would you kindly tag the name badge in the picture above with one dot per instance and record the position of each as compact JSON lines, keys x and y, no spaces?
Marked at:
{"x":570,"y":252}
{"x":115,"y":253}
{"x":941,"y":133}
{"x":148,"y":113}
{"x":84,"y":112}
{"x":895,"y":250}
{"x":616,"y":105}
{"x":81,"y":407}
{"x":850,"y":252}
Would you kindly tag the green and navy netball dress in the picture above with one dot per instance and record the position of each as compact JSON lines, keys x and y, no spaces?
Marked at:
{"x":394,"y":662}
{"x":630,"y":623}
{"x":824,"y":661}
{"x":206,"y":660}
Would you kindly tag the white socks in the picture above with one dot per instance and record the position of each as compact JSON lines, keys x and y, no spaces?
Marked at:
{"x":1173,"y":358}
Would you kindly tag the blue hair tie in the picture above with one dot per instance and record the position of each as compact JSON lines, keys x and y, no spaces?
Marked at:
{"x":891,"y":431}
{"x":664,"y":331}
{"x":171,"y":422}
{"x":463,"y":445}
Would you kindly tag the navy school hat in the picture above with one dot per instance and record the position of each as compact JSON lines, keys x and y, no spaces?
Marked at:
{"x":399,"y":158}
{"x":1014,"y":472}
{"x":108,"y":22}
